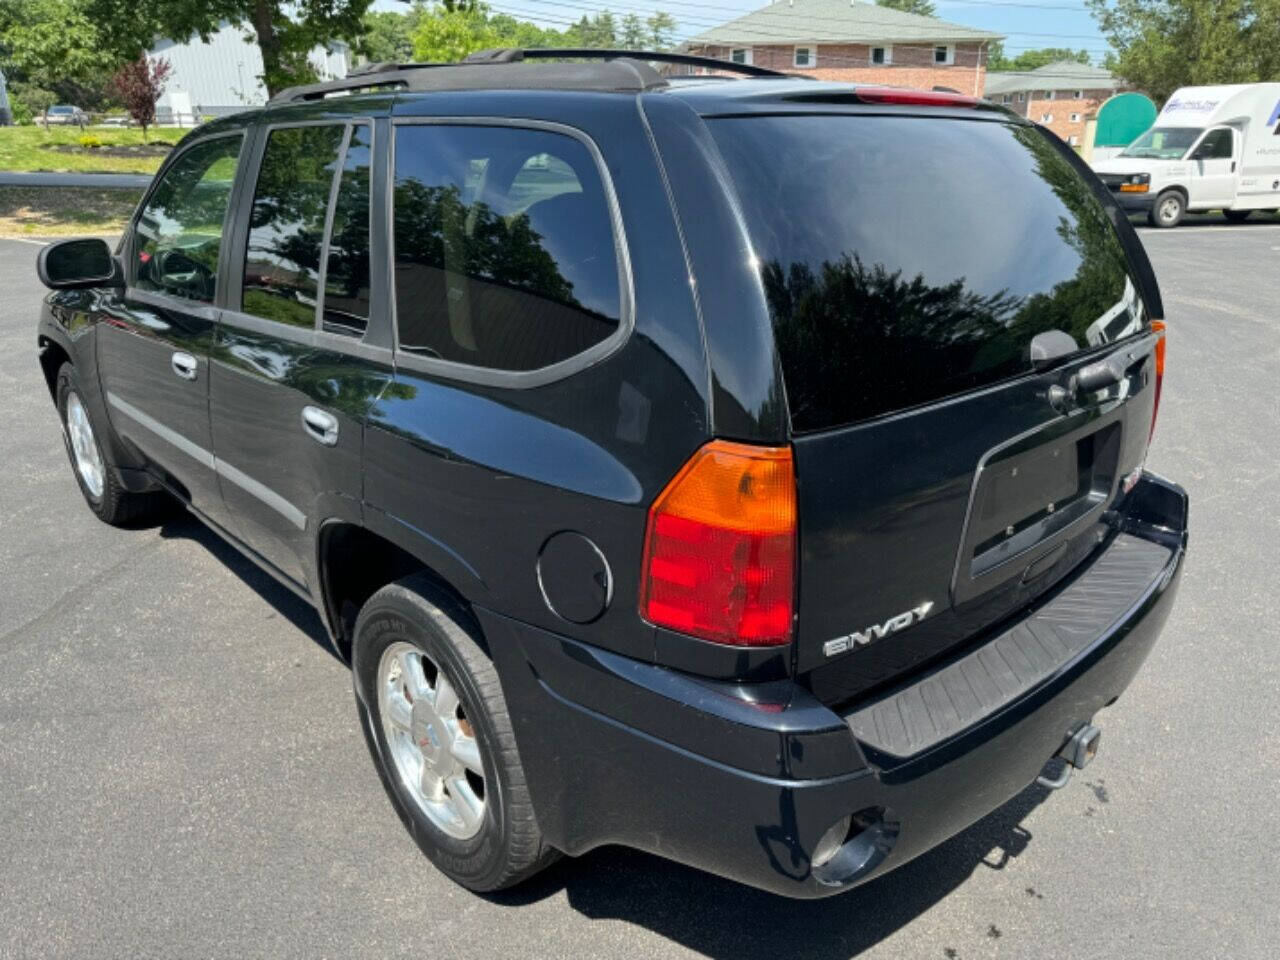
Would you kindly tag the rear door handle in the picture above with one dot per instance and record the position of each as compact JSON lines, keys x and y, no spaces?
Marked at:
{"x":321,"y":426}
{"x":184,"y":365}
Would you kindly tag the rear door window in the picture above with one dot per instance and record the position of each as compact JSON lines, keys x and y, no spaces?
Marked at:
{"x":504,"y":248}
{"x":286,"y":226}
{"x":907,"y":259}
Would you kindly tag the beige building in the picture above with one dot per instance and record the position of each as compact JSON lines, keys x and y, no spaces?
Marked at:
{"x":1061,"y":96}
{"x":850,"y":41}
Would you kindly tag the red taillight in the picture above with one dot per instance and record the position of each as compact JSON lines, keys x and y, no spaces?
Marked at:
{"x":918,"y":98}
{"x":719,"y":551}
{"x":1157,"y":326}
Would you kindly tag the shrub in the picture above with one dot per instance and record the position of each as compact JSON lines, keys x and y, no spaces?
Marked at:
{"x":90,"y":142}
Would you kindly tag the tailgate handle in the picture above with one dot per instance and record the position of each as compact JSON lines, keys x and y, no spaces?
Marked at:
{"x":1099,"y":375}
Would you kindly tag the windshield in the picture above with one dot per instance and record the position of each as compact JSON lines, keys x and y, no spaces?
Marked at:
{"x":907,"y":259}
{"x":1163,"y":143}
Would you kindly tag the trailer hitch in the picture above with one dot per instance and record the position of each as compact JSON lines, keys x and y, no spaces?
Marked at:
{"x":1078,"y":752}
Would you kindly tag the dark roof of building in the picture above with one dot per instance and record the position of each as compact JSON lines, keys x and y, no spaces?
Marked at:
{"x":1062,"y":75}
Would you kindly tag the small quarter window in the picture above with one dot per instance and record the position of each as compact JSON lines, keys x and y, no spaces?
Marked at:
{"x":346,"y":278}
{"x":504,"y":247}
{"x":286,"y":226}
{"x":178,"y":236}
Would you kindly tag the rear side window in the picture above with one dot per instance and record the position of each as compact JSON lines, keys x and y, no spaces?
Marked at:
{"x":504,"y":247}
{"x":178,"y":235}
{"x":286,"y":227}
{"x":346,"y":276}
{"x":906,"y":259}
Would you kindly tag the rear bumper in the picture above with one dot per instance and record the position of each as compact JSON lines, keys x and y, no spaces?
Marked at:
{"x":743,"y":780}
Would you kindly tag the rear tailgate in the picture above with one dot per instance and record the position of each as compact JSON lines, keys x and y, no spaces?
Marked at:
{"x":914,"y":266}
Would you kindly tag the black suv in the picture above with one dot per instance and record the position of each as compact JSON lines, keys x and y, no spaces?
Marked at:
{"x":749,"y":471}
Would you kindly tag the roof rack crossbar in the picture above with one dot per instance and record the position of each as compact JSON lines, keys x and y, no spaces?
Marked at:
{"x":515,"y":55}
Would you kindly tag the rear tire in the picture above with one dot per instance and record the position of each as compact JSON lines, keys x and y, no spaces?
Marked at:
{"x":91,"y":462}
{"x":413,"y":650}
{"x":1168,"y":209}
{"x":1237,"y":216}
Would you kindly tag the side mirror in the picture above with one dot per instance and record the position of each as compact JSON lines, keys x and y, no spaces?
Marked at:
{"x":72,"y":264}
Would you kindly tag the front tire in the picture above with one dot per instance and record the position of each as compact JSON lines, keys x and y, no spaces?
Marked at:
{"x":92,"y":464}
{"x":437,"y":726}
{"x":1168,"y":209}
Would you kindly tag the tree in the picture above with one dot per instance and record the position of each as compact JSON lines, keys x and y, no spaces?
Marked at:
{"x":661,"y":26}
{"x":286,"y":31}
{"x":1031,"y":59}
{"x":1161,"y":45}
{"x":52,"y":45}
{"x":139,"y":85}
{"x":924,"y":8}
{"x":30,"y":102}
{"x":634,"y":34}
{"x":445,"y":36}
{"x":388,"y":36}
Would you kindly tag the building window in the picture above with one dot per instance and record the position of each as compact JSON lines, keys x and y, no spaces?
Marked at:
{"x":882,"y":56}
{"x":1073,"y":140}
{"x":1048,"y":94}
{"x":1075,"y":118}
{"x":1046,"y":118}
{"x":1022,"y":97}
{"x":1079,"y":95}
{"x":805,"y":57}
{"x":740,"y":54}
{"x":1005,"y":98}
{"x":944,"y":53}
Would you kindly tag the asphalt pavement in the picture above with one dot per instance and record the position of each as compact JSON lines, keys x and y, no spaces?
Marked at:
{"x":181,"y":771}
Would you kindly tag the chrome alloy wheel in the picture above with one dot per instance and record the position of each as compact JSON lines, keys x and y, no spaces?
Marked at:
{"x":432,"y":742}
{"x":84,"y":446}
{"x":1170,"y":208}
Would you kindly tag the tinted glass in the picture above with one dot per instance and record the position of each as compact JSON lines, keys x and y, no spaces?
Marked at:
{"x":179,"y":233}
{"x":505,"y":255}
{"x":282,"y":262}
{"x":1215,"y":146}
{"x":1163,"y":143}
{"x":346,"y":277}
{"x":906,"y":259}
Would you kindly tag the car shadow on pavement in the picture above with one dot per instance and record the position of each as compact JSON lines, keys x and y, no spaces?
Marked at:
{"x":723,"y":919}
{"x":293,"y":608}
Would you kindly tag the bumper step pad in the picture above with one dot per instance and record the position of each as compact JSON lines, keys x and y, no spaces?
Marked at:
{"x":914,"y":719}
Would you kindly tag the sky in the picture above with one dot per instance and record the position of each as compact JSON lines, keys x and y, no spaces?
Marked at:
{"x":1028,"y":24}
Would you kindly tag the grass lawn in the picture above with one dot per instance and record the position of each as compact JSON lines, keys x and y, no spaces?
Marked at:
{"x":63,"y":212}
{"x":58,"y":149}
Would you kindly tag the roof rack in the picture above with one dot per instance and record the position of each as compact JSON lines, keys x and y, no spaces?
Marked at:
{"x":618,"y":70}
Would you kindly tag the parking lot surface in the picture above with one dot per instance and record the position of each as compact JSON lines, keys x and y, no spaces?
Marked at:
{"x":181,"y":771}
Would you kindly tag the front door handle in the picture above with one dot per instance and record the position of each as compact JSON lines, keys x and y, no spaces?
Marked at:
{"x":184,"y":365}
{"x":321,"y":426}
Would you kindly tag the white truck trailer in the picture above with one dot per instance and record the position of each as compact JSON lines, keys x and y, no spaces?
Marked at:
{"x":1212,"y":148}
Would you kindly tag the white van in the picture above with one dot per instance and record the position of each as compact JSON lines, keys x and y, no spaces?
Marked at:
{"x":1212,"y":148}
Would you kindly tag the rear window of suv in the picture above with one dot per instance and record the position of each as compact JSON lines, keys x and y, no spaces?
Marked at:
{"x":907,"y":259}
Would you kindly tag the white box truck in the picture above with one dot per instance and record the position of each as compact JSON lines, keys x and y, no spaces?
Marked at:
{"x":1212,"y":148}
